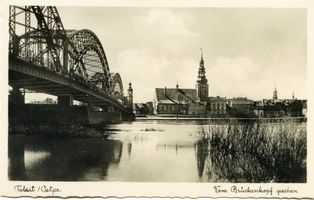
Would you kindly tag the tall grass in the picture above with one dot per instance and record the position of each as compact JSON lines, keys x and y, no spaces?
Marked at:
{"x":254,"y":151}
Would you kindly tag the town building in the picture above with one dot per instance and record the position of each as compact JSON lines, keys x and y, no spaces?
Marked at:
{"x":242,"y":104}
{"x":177,"y":101}
{"x":295,"y":108}
{"x":217,"y":106}
{"x":274,"y":108}
{"x":258,"y":109}
{"x":304,"y":108}
{"x":46,"y":101}
{"x":283,"y":107}
{"x":240,"y":107}
{"x":143,"y":109}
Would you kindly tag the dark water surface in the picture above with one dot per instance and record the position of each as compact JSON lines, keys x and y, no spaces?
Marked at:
{"x":158,"y":151}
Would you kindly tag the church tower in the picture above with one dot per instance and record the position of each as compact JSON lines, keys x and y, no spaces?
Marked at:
{"x":275,"y":94}
{"x":130,"y":96}
{"x":202,"y":83}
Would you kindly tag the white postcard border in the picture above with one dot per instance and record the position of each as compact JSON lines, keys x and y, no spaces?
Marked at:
{"x":123,"y":189}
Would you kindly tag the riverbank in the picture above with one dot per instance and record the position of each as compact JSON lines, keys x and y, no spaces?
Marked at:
{"x":56,"y":114}
{"x":225,"y":119}
{"x":59,"y":130}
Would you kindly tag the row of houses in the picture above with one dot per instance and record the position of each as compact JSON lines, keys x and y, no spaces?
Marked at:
{"x":197,"y":102}
{"x":175,"y":101}
{"x":281,"y":107}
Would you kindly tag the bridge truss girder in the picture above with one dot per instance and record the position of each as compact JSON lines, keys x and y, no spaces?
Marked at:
{"x":39,"y":36}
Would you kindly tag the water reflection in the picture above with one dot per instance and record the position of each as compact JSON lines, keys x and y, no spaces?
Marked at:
{"x":129,"y":149}
{"x":16,"y":159}
{"x":47,"y":159}
{"x":201,"y":155}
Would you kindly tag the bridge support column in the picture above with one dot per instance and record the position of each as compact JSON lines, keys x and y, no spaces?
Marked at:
{"x":128,"y":116}
{"x":16,"y":98}
{"x":16,"y":105}
{"x":110,"y":109}
{"x":66,"y":100}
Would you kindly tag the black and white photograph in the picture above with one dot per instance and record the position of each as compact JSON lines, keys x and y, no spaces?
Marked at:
{"x":157,"y":94}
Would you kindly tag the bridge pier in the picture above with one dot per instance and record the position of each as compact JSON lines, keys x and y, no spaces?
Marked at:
{"x":128,"y":117}
{"x":16,"y":104}
{"x":110,"y":109}
{"x":65,"y":100}
{"x":16,"y":97}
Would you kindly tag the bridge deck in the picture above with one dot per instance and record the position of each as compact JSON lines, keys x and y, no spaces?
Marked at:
{"x":25,"y":74}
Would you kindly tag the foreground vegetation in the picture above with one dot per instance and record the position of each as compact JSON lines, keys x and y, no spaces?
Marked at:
{"x":254,"y":151}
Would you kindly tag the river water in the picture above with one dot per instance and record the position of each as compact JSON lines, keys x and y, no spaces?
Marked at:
{"x":145,"y":151}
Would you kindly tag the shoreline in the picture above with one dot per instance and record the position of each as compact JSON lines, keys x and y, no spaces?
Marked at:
{"x":102,"y":130}
{"x":151,"y":117}
{"x":58,"y":130}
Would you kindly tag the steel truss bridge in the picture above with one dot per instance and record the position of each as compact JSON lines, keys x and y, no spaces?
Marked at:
{"x":45,"y":57}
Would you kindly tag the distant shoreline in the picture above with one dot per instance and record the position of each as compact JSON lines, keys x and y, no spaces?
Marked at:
{"x":217,"y":118}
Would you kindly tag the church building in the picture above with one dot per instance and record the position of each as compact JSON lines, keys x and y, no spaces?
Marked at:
{"x":183,"y":101}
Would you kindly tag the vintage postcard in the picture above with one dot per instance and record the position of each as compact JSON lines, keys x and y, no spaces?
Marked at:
{"x":157,"y":99}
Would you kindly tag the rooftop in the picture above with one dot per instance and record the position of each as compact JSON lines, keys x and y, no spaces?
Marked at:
{"x":176,"y":95}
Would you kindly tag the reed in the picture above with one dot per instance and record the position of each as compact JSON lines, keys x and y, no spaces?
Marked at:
{"x":254,"y":151}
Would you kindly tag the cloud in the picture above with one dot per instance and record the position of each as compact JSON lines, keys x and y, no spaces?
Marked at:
{"x":237,"y":68}
{"x":241,"y":76}
{"x":166,"y":22}
{"x":232,"y":77}
{"x":167,"y":31}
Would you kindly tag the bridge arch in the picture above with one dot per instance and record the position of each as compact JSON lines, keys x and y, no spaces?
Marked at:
{"x":92,"y":57}
{"x":117,"y":85}
{"x":81,"y":53}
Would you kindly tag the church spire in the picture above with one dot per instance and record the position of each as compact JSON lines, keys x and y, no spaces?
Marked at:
{"x":275,"y":94}
{"x":202,"y":83}
{"x":202,"y":55}
{"x":201,"y":70}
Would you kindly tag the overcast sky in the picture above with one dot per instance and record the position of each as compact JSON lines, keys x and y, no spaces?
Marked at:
{"x":247,"y":52}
